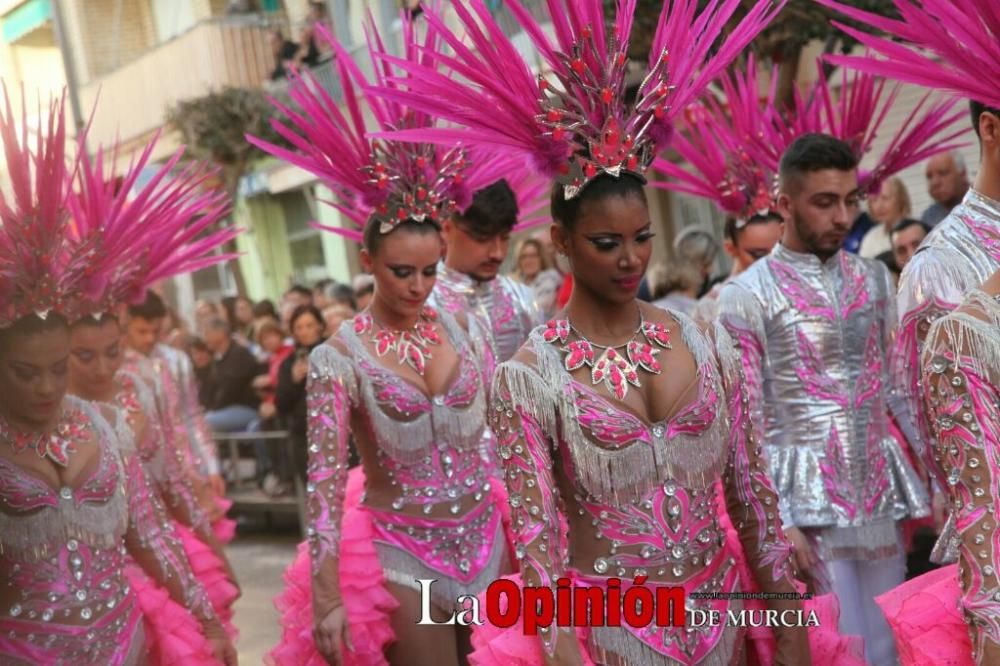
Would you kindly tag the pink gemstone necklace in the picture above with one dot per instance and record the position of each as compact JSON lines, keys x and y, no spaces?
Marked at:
{"x":410,"y":346}
{"x":57,"y":444}
{"x":615,"y":368}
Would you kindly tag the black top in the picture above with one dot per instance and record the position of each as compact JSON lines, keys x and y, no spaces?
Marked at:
{"x":231,"y":379}
{"x":287,"y":52}
{"x":290,"y":396}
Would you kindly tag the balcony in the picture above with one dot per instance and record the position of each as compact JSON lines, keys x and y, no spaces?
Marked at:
{"x":219,"y":52}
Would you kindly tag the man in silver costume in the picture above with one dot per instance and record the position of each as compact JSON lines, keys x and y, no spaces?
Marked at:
{"x":814,"y":325}
{"x":468,"y":277}
{"x":957,"y":256}
{"x":180,"y":393}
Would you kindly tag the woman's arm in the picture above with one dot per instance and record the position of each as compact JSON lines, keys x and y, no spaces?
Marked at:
{"x":524,"y":448}
{"x":331,"y":386}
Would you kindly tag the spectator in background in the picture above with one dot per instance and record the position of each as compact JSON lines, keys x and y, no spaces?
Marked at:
{"x":308,"y":333}
{"x":264,"y":310}
{"x":284,"y":51}
{"x":243,"y":317}
{"x":947,"y":183}
{"x":311,"y":47}
{"x":341,"y":294}
{"x":906,"y":238}
{"x":863,"y":223}
{"x":296,"y":296}
{"x":364,"y":290}
{"x":320,"y":293}
{"x":334,"y":315}
{"x":533,"y":271}
{"x":230,"y":400}
{"x":270,"y":338}
{"x":205,"y":311}
{"x":887,"y":208}
{"x":698,"y":248}
{"x":201,"y":359}
{"x":675,"y":286}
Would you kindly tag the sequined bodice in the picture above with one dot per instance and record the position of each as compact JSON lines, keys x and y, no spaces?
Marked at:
{"x":638,"y":498}
{"x":508,"y":308}
{"x":61,"y":551}
{"x":429,"y":445}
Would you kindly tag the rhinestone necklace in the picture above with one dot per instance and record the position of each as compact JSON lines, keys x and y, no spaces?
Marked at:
{"x":614,"y":367}
{"x":57,"y":445}
{"x":410,"y":345}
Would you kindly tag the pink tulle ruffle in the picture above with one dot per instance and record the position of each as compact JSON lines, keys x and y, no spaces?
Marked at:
{"x":173,"y":636}
{"x":367,"y":602}
{"x":211,"y":572}
{"x":224,"y":528}
{"x":926,"y":621}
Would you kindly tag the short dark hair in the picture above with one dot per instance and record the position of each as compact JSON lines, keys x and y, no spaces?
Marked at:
{"x":373,"y":235}
{"x":199,"y":344}
{"x":151,"y":308}
{"x":493,"y":211}
{"x":300,"y":290}
{"x":908,"y":222}
{"x":321,"y":285}
{"x":304,"y":310}
{"x":977,"y":109}
{"x":567,"y":212}
{"x":815,"y":152}
{"x":733,"y":226}
{"x":265,"y":308}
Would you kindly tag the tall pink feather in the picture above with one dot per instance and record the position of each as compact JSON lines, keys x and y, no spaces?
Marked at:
{"x":39,"y":272}
{"x":948,"y":45}
{"x":142,"y":234}
{"x":580,"y":125}
{"x":384,"y":180}
{"x":731,"y":152}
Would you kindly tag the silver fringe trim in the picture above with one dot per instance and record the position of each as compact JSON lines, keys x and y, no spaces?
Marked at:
{"x":404,"y":569}
{"x":619,"y":476}
{"x":975,"y":334}
{"x":873,"y":541}
{"x":44,"y":533}
{"x":409,"y":442}
{"x":615,"y":646}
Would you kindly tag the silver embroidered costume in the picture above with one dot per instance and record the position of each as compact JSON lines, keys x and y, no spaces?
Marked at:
{"x":507,"y":307}
{"x":815,"y":336}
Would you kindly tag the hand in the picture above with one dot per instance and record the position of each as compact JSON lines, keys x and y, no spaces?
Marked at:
{"x":805,"y":558}
{"x":217,"y":484}
{"x":222,"y":647}
{"x":261,"y":382}
{"x":332,"y":635}
{"x":299,"y":371}
{"x":267,"y":410}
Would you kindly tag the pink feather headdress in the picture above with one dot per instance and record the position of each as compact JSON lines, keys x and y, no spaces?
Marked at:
{"x":388,"y":181}
{"x":961,"y":39}
{"x":41,"y":272}
{"x":144,"y":233}
{"x":733,"y":150}
{"x":580,"y":125}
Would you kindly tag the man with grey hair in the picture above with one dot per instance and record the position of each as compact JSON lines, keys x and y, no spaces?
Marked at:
{"x":947,"y":183}
{"x":230,"y":400}
{"x":698,"y":247}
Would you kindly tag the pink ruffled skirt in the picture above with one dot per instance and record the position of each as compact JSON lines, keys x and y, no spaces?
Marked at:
{"x":173,"y":636}
{"x":211,"y":572}
{"x":367,"y":601}
{"x":926,"y":621}
{"x":224,"y":528}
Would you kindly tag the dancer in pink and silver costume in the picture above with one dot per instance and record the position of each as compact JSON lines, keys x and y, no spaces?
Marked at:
{"x":407,"y":382}
{"x":616,"y":466}
{"x":954,"y":47}
{"x":151,"y":228}
{"x":75,"y":503}
{"x":815,"y":326}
